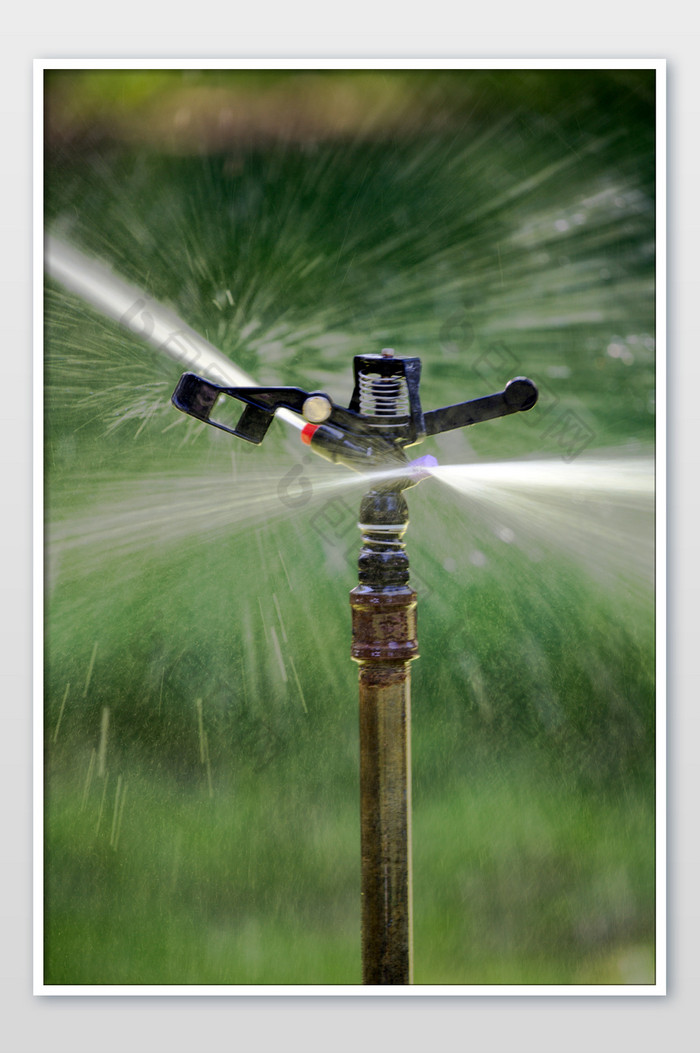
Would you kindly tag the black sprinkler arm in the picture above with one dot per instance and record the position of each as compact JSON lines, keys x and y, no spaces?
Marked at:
{"x":197,"y":396}
{"x":518,"y":395}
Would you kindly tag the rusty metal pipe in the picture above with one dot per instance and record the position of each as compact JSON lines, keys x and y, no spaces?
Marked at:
{"x":384,"y":644}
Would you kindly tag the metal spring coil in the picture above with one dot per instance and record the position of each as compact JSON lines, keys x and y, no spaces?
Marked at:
{"x":383,"y":396}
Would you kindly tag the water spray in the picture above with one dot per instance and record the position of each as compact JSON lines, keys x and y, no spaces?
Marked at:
{"x":147,"y":320}
{"x":370,"y":436}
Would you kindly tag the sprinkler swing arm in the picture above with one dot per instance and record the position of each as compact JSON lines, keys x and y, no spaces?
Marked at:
{"x":383,"y":418}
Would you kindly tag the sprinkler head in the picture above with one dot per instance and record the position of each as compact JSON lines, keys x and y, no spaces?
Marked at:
{"x":383,"y":418}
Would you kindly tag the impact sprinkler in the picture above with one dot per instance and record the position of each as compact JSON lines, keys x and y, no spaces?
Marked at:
{"x":384,"y":418}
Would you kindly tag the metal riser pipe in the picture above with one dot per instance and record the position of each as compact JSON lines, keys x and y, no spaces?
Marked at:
{"x":384,"y":644}
{"x":385,"y":788}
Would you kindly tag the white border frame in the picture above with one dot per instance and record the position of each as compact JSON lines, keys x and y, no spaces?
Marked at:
{"x":645,"y":990}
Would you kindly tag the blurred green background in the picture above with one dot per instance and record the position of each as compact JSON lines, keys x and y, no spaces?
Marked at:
{"x":201,"y":793}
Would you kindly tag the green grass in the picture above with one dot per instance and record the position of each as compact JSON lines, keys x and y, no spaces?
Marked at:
{"x":252,"y":884}
{"x":527,"y":881}
{"x":518,"y":878}
{"x":211,"y":836}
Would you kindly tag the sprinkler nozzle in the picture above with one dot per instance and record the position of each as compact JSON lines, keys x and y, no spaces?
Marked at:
{"x":359,"y":452}
{"x":422,"y":465}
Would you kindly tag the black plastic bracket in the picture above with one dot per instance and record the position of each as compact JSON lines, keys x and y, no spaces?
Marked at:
{"x":196,"y":396}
